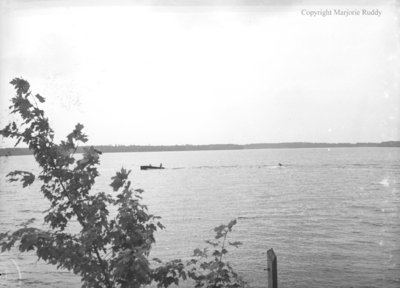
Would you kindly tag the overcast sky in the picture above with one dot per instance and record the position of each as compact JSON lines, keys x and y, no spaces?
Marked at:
{"x":193,"y":74}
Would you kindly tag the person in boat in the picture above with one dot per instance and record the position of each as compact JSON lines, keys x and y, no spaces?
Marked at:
{"x":160,"y":165}
{"x":280,"y":164}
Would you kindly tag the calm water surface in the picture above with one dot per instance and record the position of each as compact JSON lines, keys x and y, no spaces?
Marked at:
{"x":331,"y":215}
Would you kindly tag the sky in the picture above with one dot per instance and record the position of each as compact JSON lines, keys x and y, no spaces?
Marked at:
{"x":190,"y":72}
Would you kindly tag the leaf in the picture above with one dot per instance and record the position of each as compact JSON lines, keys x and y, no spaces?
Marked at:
{"x":216,"y":253}
{"x":40,"y":98}
{"x":214,"y":244}
{"x":28,"y":242}
{"x":231,"y":224}
{"x":200,"y":253}
{"x":119,"y":179}
{"x":26,"y":178}
{"x":77,"y":134}
{"x":219,"y":228}
{"x":21,"y":85}
{"x":235,"y":244}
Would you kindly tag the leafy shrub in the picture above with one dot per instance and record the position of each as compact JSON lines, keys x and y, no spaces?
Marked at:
{"x":206,"y":272}
{"x":109,"y":250}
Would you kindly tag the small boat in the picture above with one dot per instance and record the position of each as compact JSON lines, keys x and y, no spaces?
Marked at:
{"x":149,"y":167}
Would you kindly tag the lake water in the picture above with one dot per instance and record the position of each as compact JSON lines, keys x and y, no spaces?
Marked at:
{"x":332,"y":216}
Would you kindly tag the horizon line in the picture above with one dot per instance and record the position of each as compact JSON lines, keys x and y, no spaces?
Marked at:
{"x":236,"y":144}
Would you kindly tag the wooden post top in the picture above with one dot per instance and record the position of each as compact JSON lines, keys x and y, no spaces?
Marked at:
{"x":271,"y":254}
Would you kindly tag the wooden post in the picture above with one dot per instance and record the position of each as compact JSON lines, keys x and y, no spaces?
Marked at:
{"x":272,"y":269}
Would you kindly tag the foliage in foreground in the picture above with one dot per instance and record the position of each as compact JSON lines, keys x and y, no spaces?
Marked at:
{"x":205,"y":272}
{"x":109,"y":250}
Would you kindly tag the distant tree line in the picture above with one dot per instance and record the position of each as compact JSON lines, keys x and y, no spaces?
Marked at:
{"x":157,"y":148}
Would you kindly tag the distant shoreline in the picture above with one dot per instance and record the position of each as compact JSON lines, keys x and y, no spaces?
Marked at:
{"x":161,"y":148}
